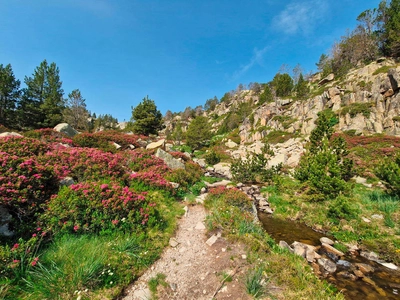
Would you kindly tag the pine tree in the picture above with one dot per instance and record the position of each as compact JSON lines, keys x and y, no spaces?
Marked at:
{"x":146,"y":118}
{"x":75,"y":112}
{"x":325,"y":167}
{"x":198,"y":132}
{"x":42,"y":100}
{"x":9,"y":96}
{"x":301,"y":87}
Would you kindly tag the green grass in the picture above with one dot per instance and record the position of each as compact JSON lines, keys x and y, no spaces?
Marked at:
{"x":96,"y":266}
{"x":154,"y":282}
{"x":383,"y":69}
{"x":264,"y":256}
{"x":255,"y":283}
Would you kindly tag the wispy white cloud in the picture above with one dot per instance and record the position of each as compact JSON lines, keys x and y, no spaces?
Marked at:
{"x":257,"y":58}
{"x":300,"y":17}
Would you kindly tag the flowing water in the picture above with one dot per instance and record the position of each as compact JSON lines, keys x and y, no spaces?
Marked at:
{"x":383,"y":283}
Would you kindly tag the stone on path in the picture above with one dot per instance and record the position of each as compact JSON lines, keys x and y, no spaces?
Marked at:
{"x":211,"y":241}
{"x":200,"y":226}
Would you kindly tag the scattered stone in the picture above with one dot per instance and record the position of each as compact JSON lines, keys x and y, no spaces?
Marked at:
{"x":327,"y":79}
{"x":327,"y":264}
{"x":230,"y":144}
{"x":325,"y":240}
{"x":285,"y":245}
{"x":186,"y":209}
{"x":343,"y":263}
{"x":5,"y":219}
{"x":67,"y":181}
{"x":218,"y":183}
{"x":348,"y":228}
{"x":116,"y":146}
{"x":377,"y":217}
{"x":364,"y":268}
{"x":347,"y":275}
{"x":156,"y":145}
{"x":175,"y":185}
{"x":203,"y":190}
{"x":173,"y":287}
{"x":6,"y":134}
{"x":370,"y":255}
{"x":66,"y":129}
{"x":169,"y":160}
{"x":244,"y":256}
{"x":200,"y":226}
{"x":332,"y":250}
{"x":389,"y":265}
{"x":173,"y":242}
{"x":131,"y":146}
{"x":211,"y":241}
{"x":366,"y":220}
{"x":358,"y":273}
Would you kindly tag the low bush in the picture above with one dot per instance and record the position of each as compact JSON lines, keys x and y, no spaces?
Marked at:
{"x":25,"y":186}
{"x":354,"y":109}
{"x":95,"y":207}
{"x":23,"y":147}
{"x":48,"y":135}
{"x":84,"y":164}
{"x":254,"y":169}
{"x":342,"y":208}
{"x":389,"y":172}
{"x":212,"y":158}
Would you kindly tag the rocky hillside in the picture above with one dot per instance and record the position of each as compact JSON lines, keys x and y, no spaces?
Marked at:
{"x":366,"y":101}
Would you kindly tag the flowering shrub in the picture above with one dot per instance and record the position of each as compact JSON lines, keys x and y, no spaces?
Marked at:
{"x":86,"y":164}
{"x":23,"y":147}
{"x":97,"y":208}
{"x":141,"y":160}
{"x":152,"y":179}
{"x":104,"y":139}
{"x":49,"y":135}
{"x":16,"y":260}
{"x":25,"y":185}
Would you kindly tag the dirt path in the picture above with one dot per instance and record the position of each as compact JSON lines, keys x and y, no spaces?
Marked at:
{"x":194,"y":266}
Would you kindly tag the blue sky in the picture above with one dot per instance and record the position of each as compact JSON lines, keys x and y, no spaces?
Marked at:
{"x":179,"y":52}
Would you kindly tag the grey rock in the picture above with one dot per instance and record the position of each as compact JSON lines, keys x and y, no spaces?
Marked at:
{"x":156,"y":145}
{"x":285,"y":245}
{"x":211,"y":241}
{"x":326,"y":241}
{"x":343,"y":263}
{"x":169,"y":160}
{"x":67,"y":181}
{"x":7,"y":134}
{"x":66,"y":129}
{"x":5,"y":219}
{"x":327,"y":264}
{"x":330,"y":249}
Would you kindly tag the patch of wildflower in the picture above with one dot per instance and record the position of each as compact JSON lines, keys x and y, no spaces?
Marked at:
{"x":23,"y":147}
{"x":84,"y":164}
{"x":141,"y":160}
{"x":108,"y":276}
{"x":152,"y":179}
{"x":97,"y":207}
{"x":25,"y":186}
{"x":22,"y":256}
{"x":49,"y":135}
{"x":104,"y":140}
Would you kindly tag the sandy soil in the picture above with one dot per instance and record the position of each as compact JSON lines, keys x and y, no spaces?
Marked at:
{"x":194,"y":268}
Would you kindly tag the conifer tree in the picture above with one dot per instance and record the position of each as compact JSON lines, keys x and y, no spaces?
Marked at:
{"x":146,"y":118}
{"x":325,"y":167}
{"x":75,"y":112}
{"x":42,"y":100}
{"x":9,"y":96}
